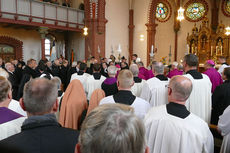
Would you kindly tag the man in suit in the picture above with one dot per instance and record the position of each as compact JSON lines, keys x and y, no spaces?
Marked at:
{"x":41,"y":133}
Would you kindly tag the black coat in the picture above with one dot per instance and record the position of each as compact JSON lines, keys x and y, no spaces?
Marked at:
{"x":220,"y":101}
{"x":13,"y":80}
{"x":43,"y":137}
{"x":33,"y":73}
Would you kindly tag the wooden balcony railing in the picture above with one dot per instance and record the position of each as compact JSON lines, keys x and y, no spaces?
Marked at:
{"x":37,"y":13}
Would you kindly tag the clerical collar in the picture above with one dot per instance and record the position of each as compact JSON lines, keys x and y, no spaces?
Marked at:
{"x":124,"y":97}
{"x":224,"y":63}
{"x":162,"y":77}
{"x":80,"y":72}
{"x":177,"y":110}
{"x":195,"y":74}
{"x":137,"y":80}
{"x":97,"y":76}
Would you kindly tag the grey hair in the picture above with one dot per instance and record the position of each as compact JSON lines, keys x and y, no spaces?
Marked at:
{"x":158,"y":67}
{"x":3,"y":73}
{"x":39,"y":95}
{"x":57,"y":81}
{"x":191,"y":60}
{"x":134,"y":69}
{"x":181,"y":88}
{"x":112,"y":70}
{"x":112,"y":128}
{"x":5,"y":88}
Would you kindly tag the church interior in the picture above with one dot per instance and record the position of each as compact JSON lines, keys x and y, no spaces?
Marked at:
{"x":71,"y":37}
{"x":137,"y":27}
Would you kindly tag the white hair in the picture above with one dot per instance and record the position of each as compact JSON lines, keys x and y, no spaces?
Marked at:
{"x":3,"y":73}
{"x":112,"y":70}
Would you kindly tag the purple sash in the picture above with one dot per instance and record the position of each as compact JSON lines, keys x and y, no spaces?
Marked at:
{"x":7,"y":115}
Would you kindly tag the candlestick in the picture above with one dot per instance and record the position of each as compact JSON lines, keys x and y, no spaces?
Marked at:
{"x":119,"y":49}
{"x":98,"y":49}
{"x":152,"y":49}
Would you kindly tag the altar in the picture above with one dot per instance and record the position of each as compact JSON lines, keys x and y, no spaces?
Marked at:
{"x":207,"y":44}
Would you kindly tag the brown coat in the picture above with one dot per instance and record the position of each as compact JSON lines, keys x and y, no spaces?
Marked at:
{"x":73,"y":104}
{"x":96,"y":97}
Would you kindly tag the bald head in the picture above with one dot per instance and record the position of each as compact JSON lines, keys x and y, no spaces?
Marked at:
{"x":181,"y":88}
{"x":125,"y":79}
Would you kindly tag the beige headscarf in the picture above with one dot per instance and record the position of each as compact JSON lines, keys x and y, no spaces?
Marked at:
{"x":73,"y":104}
{"x":96,"y":97}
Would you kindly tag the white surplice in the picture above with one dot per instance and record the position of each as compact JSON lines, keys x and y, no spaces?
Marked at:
{"x":224,"y":127}
{"x":92,"y":84}
{"x":170,"y":134}
{"x":140,"y":106}
{"x":11,"y":128}
{"x":200,"y":100}
{"x":221,"y":68}
{"x":81,"y":78}
{"x":155,"y":92}
{"x":137,"y":88}
{"x":15,"y":106}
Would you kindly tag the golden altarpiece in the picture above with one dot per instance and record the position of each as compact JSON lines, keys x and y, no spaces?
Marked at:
{"x":208,"y":45}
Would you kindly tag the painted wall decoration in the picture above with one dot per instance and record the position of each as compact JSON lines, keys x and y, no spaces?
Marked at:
{"x":196,"y":10}
{"x":226,"y":7}
{"x":6,"y":49}
{"x":163,"y":11}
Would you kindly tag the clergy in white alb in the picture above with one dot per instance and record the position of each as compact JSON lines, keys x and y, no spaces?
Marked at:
{"x":138,"y":82}
{"x":94,"y":81}
{"x":155,"y":89}
{"x":81,"y":75}
{"x":224,"y":128}
{"x":10,"y":121}
{"x":222,"y":61}
{"x":125,"y":96}
{"x":171,"y":128}
{"x":200,"y":101}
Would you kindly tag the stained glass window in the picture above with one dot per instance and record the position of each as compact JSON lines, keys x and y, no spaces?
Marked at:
{"x":195,"y":11}
{"x":228,"y":6}
{"x":162,"y":11}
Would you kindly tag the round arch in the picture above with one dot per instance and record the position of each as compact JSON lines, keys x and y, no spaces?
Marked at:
{"x":15,"y":43}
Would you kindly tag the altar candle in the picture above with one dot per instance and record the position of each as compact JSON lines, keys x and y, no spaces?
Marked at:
{"x":152,"y":49}
{"x":98,"y":49}
{"x":216,"y":49}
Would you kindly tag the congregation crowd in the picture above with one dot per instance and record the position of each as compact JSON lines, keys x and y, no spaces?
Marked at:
{"x":112,"y":107}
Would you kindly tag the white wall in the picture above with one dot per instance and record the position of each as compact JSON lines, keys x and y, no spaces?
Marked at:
{"x":117,"y":14}
{"x":140,"y":19}
{"x":77,"y":43}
